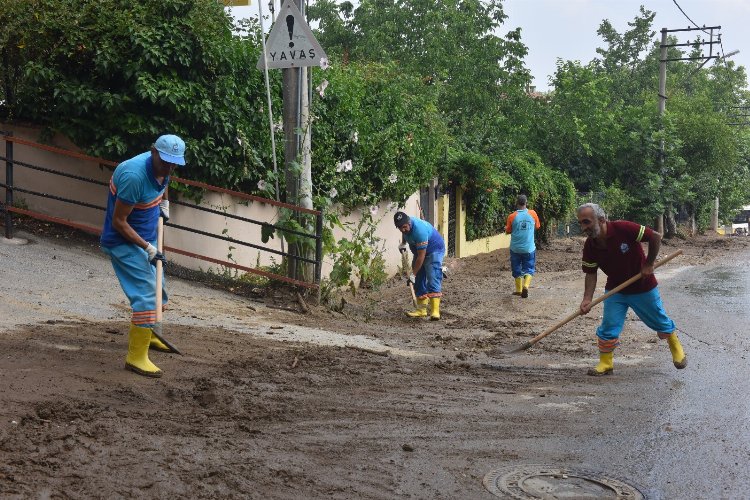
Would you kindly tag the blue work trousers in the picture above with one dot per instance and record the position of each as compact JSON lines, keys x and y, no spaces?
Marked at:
{"x":138,"y":280}
{"x":522,"y":263}
{"x":429,"y":279}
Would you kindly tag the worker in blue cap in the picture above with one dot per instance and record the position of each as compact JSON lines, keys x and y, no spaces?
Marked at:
{"x":137,"y":198}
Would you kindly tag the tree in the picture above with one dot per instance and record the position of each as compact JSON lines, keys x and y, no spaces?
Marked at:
{"x":451,"y":42}
{"x":113,"y":75}
{"x":603,"y":128}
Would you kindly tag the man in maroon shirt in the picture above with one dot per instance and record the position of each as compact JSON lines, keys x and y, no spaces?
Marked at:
{"x":615,"y":248}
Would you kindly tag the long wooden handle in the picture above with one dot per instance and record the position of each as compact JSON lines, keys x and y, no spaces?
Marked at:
{"x":598,"y":300}
{"x":160,"y":248}
{"x":413,"y":295}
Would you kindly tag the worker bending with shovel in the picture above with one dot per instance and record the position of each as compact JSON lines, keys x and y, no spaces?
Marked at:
{"x":615,"y":248}
{"x":137,"y":199}
{"x":428,"y":249}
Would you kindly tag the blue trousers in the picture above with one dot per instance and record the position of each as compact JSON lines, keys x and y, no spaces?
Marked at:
{"x":522,"y":263}
{"x":429,"y":279}
{"x":646,"y":305}
{"x":138,"y":280}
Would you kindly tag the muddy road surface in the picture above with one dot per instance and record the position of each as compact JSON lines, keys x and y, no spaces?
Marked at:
{"x":357,"y":401}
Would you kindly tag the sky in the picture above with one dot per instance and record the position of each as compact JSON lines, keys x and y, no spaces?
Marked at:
{"x":566,"y":29}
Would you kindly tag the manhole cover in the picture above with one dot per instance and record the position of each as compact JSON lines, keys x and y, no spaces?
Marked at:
{"x":550,"y":483}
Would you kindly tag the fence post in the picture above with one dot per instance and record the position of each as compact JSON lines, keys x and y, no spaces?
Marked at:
{"x":8,"y":186}
{"x":319,"y":246}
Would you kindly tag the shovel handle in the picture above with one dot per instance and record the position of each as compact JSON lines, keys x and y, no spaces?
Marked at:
{"x":159,"y":285}
{"x":413,"y":295}
{"x":598,"y":300}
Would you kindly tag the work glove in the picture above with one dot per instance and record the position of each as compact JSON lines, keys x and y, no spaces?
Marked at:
{"x":154,"y":255}
{"x":411,"y":279}
{"x":151,"y":251}
{"x":164,"y":209}
{"x":402,"y":247}
{"x":159,"y":256}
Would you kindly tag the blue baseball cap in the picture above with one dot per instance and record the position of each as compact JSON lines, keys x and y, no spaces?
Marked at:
{"x":171,"y":149}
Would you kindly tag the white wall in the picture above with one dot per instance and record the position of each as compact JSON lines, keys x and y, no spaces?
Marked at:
{"x":251,"y":233}
{"x":185,"y":216}
{"x":33,"y":180}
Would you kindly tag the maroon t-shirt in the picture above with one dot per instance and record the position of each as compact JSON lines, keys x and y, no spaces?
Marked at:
{"x":623,"y":258}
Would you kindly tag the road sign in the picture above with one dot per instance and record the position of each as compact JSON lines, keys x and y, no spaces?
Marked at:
{"x":290,"y":43}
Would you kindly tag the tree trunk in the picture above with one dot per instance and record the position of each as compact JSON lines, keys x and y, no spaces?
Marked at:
{"x":670,"y":225}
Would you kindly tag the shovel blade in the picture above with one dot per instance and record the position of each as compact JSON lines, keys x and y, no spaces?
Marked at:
{"x":518,"y":348}
{"x":157,"y":333}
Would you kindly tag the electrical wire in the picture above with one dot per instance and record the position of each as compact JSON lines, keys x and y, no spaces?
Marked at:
{"x":723,"y":58}
{"x":688,"y":18}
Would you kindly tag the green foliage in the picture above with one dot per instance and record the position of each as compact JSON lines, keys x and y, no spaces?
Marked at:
{"x":616,"y":202}
{"x":378,"y":134}
{"x":113,"y":75}
{"x":450,"y":43}
{"x":550,"y":192}
{"x":488,"y":191}
{"x":360,"y":255}
{"x":602,"y":126}
{"x":491,"y":188}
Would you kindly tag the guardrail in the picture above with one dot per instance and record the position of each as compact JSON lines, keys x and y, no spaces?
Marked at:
{"x":11,"y":188}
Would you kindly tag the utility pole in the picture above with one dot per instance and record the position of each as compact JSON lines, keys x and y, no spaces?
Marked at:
{"x":667,"y":218}
{"x":297,"y":135}
{"x":662,"y":108}
{"x":292,"y":47}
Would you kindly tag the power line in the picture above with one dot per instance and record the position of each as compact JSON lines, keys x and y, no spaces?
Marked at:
{"x":723,"y":57}
{"x":688,"y":18}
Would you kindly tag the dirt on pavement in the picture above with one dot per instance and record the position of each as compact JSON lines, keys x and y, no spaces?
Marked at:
{"x":424,"y":415}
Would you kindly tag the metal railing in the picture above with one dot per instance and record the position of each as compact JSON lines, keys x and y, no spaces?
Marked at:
{"x":11,"y":188}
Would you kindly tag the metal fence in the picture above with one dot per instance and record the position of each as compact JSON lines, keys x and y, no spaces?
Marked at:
{"x":11,"y":188}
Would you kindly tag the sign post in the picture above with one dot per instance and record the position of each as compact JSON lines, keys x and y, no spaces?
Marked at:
{"x":292,"y":47}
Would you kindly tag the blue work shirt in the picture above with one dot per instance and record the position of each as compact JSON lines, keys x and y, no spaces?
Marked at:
{"x":521,"y":225}
{"x":134,"y":183}
{"x":423,"y":236}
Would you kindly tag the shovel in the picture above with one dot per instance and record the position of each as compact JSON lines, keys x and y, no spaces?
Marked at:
{"x":413,"y":295}
{"x":159,"y":285}
{"x":574,"y":315}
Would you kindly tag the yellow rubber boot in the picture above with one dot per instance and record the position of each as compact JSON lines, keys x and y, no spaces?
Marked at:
{"x":420,"y":311}
{"x":435,"y":307}
{"x":519,"y":286}
{"x":679,"y":358}
{"x":606,"y":364}
{"x":137,"y":359}
{"x":157,"y":345}
{"x":526,"y":283}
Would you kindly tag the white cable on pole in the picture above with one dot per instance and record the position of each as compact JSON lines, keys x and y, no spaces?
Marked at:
{"x":270,"y":109}
{"x":268,"y":95}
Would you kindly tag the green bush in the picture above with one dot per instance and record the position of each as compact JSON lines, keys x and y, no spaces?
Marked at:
{"x":382,"y":125}
{"x":491,"y":187}
{"x":113,"y":75}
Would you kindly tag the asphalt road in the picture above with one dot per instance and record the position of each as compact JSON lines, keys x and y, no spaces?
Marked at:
{"x":706,"y":454}
{"x":675,"y":434}
{"x":686,"y":434}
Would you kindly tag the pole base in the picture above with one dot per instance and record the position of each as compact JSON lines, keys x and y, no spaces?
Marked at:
{"x":14,"y":241}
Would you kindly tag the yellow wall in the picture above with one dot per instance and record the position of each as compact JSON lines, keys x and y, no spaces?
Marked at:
{"x":441,"y":216}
